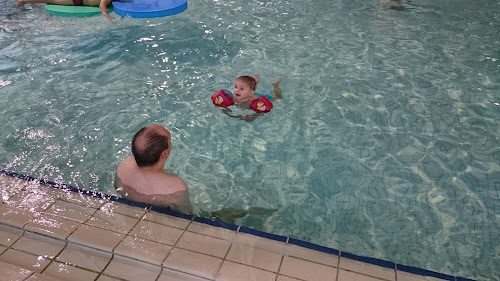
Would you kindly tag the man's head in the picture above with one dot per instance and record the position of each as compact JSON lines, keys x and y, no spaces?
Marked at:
{"x":150,"y":144}
{"x":244,"y":88}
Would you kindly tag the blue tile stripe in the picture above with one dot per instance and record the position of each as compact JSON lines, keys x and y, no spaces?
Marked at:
{"x":312,"y":246}
{"x":263,"y":234}
{"x":216,"y":223}
{"x":243,"y":229}
{"x":463,"y":279}
{"x":424,"y":272}
{"x":374,"y":261}
{"x":168,"y":211}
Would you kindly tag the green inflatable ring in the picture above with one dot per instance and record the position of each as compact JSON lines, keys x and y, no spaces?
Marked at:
{"x":74,"y":11}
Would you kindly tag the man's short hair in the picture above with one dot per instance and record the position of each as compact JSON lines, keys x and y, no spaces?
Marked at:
{"x":249,"y":80}
{"x":147,"y":146}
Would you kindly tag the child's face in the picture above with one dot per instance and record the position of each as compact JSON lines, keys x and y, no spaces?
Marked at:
{"x":242,"y":92}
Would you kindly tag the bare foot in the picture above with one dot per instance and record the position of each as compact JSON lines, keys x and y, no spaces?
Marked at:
{"x":277,"y":91}
{"x":20,"y":3}
{"x":256,"y":77}
{"x":276,"y":83}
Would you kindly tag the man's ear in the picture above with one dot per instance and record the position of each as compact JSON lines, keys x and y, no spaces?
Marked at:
{"x":165,"y":153}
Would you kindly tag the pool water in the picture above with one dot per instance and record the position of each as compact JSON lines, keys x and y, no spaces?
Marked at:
{"x":386,"y":144}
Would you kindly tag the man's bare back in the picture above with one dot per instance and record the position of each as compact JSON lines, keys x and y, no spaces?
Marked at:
{"x":150,"y":184}
{"x":148,"y":181}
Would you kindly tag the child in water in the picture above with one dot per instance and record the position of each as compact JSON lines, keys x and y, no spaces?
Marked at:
{"x":244,"y":94}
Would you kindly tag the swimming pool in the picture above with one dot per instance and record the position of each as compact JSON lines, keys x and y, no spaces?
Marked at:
{"x":386,"y":143}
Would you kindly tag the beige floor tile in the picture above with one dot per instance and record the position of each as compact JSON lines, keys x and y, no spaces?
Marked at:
{"x":2,"y":249}
{"x":120,"y":267}
{"x":42,"y":277}
{"x":55,"y":192}
{"x":24,"y":260}
{"x":260,"y":242}
{"x":52,"y":225}
{"x":172,"y":275}
{"x":33,"y":202}
{"x":307,"y":270}
{"x":96,"y":237}
{"x":9,"y":235}
{"x":405,"y":276}
{"x":367,"y":269}
{"x":204,"y":244}
{"x":193,"y":263}
{"x":353,"y":276}
{"x":83,"y":200}
{"x":107,"y":278}
{"x":156,"y":232}
{"x":142,"y":249}
{"x":39,"y":245}
{"x":213,"y":231}
{"x":286,"y":278}
{"x":67,"y":272}
{"x":84,"y":257}
{"x":9,"y":187}
{"x":255,"y":257}
{"x":14,"y":216}
{"x":115,"y":207}
{"x":8,"y":180}
{"x":311,"y":255}
{"x":114,"y":222}
{"x":167,"y":220}
{"x":35,"y":186}
{"x":12,"y":272}
{"x":70,"y":211}
{"x":231,"y":271}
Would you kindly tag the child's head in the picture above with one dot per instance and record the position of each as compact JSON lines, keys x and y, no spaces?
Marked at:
{"x":244,"y":88}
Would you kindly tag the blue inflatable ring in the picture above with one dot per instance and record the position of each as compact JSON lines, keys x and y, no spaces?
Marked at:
{"x":149,"y":8}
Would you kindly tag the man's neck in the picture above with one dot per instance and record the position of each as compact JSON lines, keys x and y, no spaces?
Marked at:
{"x":157,"y":168}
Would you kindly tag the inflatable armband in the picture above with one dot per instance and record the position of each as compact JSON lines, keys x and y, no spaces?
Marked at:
{"x":261,"y":104}
{"x":222,"y":98}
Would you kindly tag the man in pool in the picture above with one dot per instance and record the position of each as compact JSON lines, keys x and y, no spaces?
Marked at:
{"x":141,"y":177}
{"x":102,"y":4}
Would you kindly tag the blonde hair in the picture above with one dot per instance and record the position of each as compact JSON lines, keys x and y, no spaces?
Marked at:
{"x":249,"y":80}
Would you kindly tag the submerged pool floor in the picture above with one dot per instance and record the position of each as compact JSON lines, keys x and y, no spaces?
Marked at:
{"x":51,"y":233}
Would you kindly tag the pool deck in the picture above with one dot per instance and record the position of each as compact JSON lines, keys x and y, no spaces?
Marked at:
{"x":51,"y":233}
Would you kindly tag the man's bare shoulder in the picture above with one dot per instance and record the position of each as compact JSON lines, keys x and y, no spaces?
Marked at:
{"x":174,"y":183}
{"x":127,"y":166}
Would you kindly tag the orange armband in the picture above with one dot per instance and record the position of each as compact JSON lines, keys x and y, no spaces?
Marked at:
{"x":222,"y":98}
{"x":261,"y":104}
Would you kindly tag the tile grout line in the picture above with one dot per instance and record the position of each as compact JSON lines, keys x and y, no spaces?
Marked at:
{"x":279,"y":267}
{"x":67,"y":242}
{"x":282,"y":259}
{"x":52,"y":260}
{"x":338,"y":266}
{"x":55,"y":256}
{"x":162,"y":266}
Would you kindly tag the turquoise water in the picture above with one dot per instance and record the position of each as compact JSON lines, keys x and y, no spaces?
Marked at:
{"x":385,"y":145}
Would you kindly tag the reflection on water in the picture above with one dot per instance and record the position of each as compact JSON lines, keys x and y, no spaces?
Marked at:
{"x":385,"y":144}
